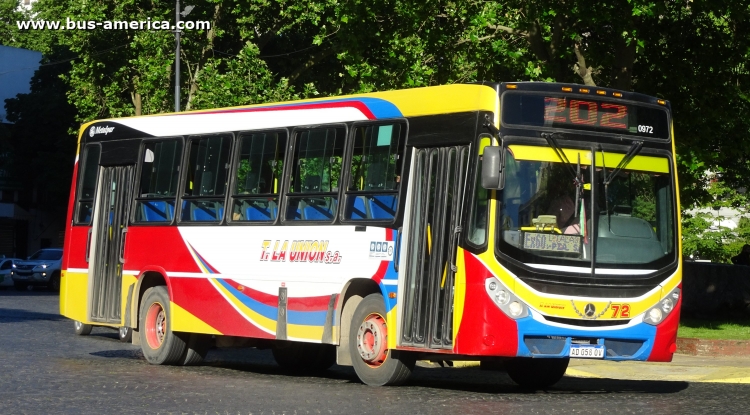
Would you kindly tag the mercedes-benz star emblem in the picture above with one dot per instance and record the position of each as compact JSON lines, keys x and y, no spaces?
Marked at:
{"x":589,"y":310}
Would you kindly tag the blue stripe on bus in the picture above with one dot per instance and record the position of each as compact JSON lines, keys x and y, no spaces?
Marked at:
{"x":307,"y":318}
{"x":641,"y":332}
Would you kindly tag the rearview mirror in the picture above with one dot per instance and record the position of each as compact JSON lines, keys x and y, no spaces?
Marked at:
{"x":492,"y":168}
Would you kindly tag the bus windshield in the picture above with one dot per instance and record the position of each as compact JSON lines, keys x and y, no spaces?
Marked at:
{"x":545,"y":220}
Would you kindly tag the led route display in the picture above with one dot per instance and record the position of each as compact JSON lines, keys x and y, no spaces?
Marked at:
{"x":584,"y":113}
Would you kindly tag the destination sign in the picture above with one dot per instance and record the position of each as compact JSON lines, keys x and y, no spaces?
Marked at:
{"x":584,"y":113}
{"x":552,"y":242}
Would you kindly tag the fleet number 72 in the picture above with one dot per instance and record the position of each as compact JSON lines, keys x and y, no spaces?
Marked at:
{"x":620,"y":310}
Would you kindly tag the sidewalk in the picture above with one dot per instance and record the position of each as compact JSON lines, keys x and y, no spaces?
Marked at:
{"x":683,"y":368}
{"x":717,"y":361}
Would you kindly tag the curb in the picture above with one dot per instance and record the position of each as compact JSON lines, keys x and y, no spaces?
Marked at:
{"x":702,"y":347}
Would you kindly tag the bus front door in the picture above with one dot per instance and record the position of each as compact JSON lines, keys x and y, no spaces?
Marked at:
{"x":431,"y":239}
{"x":108,"y":243}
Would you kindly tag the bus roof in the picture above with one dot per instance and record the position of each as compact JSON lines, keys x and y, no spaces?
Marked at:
{"x":361,"y":107}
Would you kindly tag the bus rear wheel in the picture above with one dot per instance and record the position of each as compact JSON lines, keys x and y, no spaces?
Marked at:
{"x":82,"y":329}
{"x":125,"y":334}
{"x":373,"y":362}
{"x":160,"y":345}
{"x":196,"y":349}
{"x":536,"y":373}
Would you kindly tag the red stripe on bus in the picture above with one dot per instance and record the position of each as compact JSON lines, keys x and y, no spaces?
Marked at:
{"x":201,"y":299}
{"x":362,"y":107}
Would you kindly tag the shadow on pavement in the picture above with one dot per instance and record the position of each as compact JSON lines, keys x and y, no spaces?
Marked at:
{"x":12,"y":315}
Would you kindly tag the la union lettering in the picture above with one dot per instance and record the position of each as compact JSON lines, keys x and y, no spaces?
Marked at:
{"x":312,"y":251}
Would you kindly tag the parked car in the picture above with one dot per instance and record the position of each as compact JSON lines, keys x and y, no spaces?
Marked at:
{"x":6,"y":266}
{"x":42,"y":268}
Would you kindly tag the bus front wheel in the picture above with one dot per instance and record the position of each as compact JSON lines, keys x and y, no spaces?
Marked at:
{"x":160,"y":345}
{"x":373,"y":362}
{"x":536,"y":373}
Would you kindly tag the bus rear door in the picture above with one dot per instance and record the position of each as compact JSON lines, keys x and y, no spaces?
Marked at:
{"x":108,"y":243}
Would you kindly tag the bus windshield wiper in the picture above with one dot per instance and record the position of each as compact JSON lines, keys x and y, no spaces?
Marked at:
{"x":635,"y":148}
{"x":576,"y":173}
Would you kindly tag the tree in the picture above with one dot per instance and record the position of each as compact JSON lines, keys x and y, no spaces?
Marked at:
{"x":692,"y":52}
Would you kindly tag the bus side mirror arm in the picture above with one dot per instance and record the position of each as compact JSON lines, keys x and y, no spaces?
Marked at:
{"x":492,"y":168}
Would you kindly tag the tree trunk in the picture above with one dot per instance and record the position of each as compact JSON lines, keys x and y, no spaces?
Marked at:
{"x":581,"y":69}
{"x":210,"y":36}
{"x":136,"y":98}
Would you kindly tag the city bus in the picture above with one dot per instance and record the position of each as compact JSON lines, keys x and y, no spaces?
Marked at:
{"x":517,"y":224}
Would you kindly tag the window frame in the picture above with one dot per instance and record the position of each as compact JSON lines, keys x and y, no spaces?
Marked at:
{"x":184,"y":166}
{"x":79,"y":184}
{"x":285,"y":193}
{"x":347,"y":166}
{"x":138,"y":177}
{"x":471,"y":197}
{"x":235,"y":162}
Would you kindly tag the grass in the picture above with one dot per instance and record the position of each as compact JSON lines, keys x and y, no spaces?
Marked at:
{"x":720,"y":329}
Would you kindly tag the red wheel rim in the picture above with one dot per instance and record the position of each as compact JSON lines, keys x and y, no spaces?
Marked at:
{"x":372,"y":340}
{"x":156,"y":325}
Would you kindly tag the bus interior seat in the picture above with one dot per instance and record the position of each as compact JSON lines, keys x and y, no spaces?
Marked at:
{"x":357,"y":208}
{"x":312,"y":184}
{"x":383,"y":206}
{"x":259,"y":211}
{"x":375,"y":179}
{"x":157,"y":211}
{"x":200,"y":211}
{"x":251,"y":183}
{"x":317,"y":208}
{"x":207,"y":184}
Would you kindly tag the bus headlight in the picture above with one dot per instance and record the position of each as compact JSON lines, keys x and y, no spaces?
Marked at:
{"x":504,"y":299}
{"x":656,"y":314}
{"x":515,"y":309}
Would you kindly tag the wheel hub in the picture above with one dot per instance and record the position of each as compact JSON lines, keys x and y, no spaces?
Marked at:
{"x":156,"y":325}
{"x":372,"y":340}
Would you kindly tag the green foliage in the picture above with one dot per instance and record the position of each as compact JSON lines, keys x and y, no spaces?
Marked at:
{"x":702,"y":237}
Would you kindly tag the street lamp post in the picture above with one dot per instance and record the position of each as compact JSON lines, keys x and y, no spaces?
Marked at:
{"x":177,"y":57}
{"x":177,"y":32}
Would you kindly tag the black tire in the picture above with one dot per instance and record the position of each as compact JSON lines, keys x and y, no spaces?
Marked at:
{"x":125,"y":334}
{"x":20,"y":286}
{"x":54,"y":282}
{"x":536,"y":373}
{"x":389,"y":368}
{"x":82,"y":329}
{"x":304,"y":357}
{"x":160,"y":345}
{"x":196,"y":349}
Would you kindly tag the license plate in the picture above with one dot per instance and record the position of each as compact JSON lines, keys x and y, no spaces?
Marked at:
{"x":587,"y":352}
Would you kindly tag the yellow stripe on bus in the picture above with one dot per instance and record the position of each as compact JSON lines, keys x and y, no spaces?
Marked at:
{"x":640,"y":163}
{"x":183,"y":320}
{"x":254,"y":317}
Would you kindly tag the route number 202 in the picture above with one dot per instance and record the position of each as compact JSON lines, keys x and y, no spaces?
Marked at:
{"x":620,"y":310}
{"x":646,"y":129}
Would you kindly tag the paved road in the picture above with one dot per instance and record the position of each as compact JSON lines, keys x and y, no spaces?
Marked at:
{"x":45,"y":368}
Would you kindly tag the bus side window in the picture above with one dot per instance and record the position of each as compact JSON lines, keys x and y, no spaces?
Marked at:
{"x":314,"y":185}
{"x":255,"y":197}
{"x":87,"y":184}
{"x":207,"y":174}
{"x":160,"y":174}
{"x":375,"y":172}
